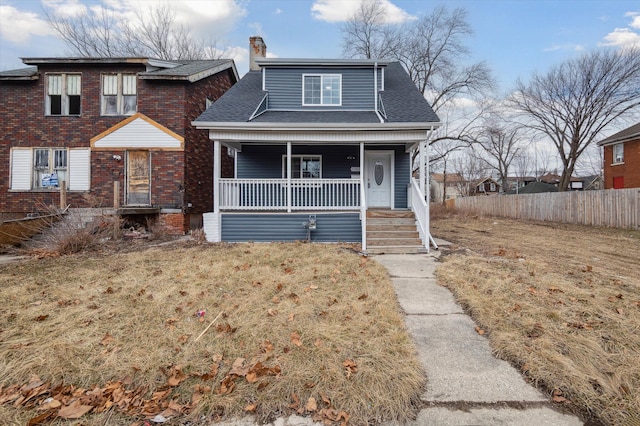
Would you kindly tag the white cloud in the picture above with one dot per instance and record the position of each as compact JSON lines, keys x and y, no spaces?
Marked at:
{"x":566,"y":46}
{"x":635,"y":19}
{"x":625,"y":37}
{"x":341,"y":11}
{"x":65,"y":8}
{"x":19,"y":26}
{"x":256,"y":27}
{"x":278,"y":11}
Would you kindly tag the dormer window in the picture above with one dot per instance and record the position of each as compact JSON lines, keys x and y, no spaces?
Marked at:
{"x":321,"y":89}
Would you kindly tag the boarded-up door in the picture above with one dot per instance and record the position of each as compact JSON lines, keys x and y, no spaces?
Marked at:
{"x":138,"y":178}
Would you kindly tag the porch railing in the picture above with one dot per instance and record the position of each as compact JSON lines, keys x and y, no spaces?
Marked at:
{"x":421,"y":210}
{"x":305,"y":194}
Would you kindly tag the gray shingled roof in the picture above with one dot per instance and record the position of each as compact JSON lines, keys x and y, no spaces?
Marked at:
{"x":622,"y":135}
{"x":402,"y":101}
{"x":21,"y":73}
{"x":187,"y":68}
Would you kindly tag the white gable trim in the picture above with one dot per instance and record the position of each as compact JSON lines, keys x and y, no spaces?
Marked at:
{"x":138,"y":132}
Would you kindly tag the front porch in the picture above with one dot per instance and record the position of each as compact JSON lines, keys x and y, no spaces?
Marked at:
{"x":280,"y":187}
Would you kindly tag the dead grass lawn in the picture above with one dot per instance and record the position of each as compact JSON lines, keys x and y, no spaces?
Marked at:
{"x":561,"y":302}
{"x":312,"y":329}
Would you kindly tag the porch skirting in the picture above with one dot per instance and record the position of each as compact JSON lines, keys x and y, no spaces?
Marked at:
{"x":268,"y":227}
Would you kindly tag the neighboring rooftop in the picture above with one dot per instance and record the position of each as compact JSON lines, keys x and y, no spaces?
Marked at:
{"x":156,"y":69}
{"x":629,"y":133}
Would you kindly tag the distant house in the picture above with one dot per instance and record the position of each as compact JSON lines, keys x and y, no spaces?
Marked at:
{"x":622,"y":159}
{"x":484,"y":186}
{"x":447,"y":186}
{"x":515,"y":182}
{"x":114,"y":131}
{"x":322,"y":147}
{"x":592,"y":182}
{"x":535,"y":188}
{"x":575,"y":183}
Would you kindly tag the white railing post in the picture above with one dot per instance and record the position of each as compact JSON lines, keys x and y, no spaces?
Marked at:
{"x":288,"y":177}
{"x":363,"y":203}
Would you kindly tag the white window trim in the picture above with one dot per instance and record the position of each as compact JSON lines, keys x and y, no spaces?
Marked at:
{"x":119,"y":95}
{"x":78,"y":169}
{"x":613,"y":154}
{"x":301,"y":156}
{"x":322,"y":76}
{"x":65,"y":96}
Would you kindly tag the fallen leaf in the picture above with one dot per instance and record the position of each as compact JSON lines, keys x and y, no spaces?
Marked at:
{"x":238,"y":368}
{"x":75,"y":410}
{"x":291,"y":317}
{"x":295,"y":339}
{"x":479,"y":331}
{"x":41,"y":317}
{"x":107,"y":339}
{"x":363,"y":296}
{"x":41,"y":418}
{"x":272,"y":312}
{"x":311,"y":405}
{"x":251,"y":408}
{"x":350,"y":367}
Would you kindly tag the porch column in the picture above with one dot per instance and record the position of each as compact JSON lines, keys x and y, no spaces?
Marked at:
{"x":423,"y":168}
{"x":288,"y":177}
{"x":216,"y":176}
{"x":363,"y":201}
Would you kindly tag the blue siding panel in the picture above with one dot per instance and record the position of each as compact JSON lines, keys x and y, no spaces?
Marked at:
{"x":285,"y":88}
{"x":331,"y":227}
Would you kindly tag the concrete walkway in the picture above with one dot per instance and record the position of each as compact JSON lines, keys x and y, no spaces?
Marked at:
{"x":466,"y":384}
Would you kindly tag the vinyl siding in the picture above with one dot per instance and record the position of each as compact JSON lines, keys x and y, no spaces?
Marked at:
{"x":265,"y":161}
{"x":285,"y":88}
{"x":334,"y":227}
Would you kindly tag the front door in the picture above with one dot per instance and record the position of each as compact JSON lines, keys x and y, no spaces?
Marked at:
{"x":138,"y":178}
{"x":378,"y":178}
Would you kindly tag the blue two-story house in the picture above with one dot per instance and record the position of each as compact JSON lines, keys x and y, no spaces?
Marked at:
{"x":323,"y":151}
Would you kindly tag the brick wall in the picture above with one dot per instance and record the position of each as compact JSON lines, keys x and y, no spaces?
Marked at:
{"x":177,"y":177}
{"x":629,"y":170}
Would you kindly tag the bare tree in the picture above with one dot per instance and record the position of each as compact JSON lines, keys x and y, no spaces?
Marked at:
{"x":99,"y":32}
{"x":364,"y":35}
{"x":575,"y":101}
{"x":431,"y":49}
{"x":497,"y":146}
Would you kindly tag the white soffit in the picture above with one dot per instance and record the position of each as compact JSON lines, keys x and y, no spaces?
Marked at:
{"x":138,"y":132}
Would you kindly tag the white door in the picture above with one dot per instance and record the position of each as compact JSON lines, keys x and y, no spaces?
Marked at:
{"x":378,"y":178}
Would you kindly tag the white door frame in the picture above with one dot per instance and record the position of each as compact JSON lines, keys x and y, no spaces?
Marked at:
{"x":392,"y":157}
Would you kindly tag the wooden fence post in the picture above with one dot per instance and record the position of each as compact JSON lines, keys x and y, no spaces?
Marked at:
{"x":116,"y":194}
{"x":63,"y":195}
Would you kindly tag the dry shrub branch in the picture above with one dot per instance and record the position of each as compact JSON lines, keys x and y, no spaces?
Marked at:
{"x":300,"y":328}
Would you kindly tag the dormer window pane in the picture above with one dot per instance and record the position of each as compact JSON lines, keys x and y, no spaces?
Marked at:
{"x":322,"y":89}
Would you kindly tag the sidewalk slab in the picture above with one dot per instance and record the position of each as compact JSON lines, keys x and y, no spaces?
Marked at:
{"x":489,"y":416}
{"x":424,"y":297}
{"x":407,"y":265}
{"x":459,"y":363}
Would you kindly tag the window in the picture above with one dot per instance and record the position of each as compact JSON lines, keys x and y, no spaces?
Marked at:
{"x":49,"y":167}
{"x":618,"y":153}
{"x":322,"y":89}
{"x":63,"y":94}
{"x":119,"y":94}
{"x":303,"y":166}
{"x":492,"y":187}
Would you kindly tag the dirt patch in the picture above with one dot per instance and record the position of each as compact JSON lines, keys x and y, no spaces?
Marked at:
{"x":561,"y":302}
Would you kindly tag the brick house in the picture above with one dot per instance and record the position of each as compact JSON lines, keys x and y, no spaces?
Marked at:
{"x":485,"y":186}
{"x":116,"y":131}
{"x":622,"y":159}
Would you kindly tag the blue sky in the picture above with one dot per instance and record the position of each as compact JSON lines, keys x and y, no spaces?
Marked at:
{"x":515,"y":37}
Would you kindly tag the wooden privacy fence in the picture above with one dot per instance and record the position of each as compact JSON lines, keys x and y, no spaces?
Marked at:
{"x":615,"y":208}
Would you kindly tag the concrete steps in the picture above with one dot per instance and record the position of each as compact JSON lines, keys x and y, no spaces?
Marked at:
{"x":392,"y":231}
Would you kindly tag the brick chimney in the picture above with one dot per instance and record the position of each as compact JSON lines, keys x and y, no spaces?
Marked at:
{"x":257,"y":49}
